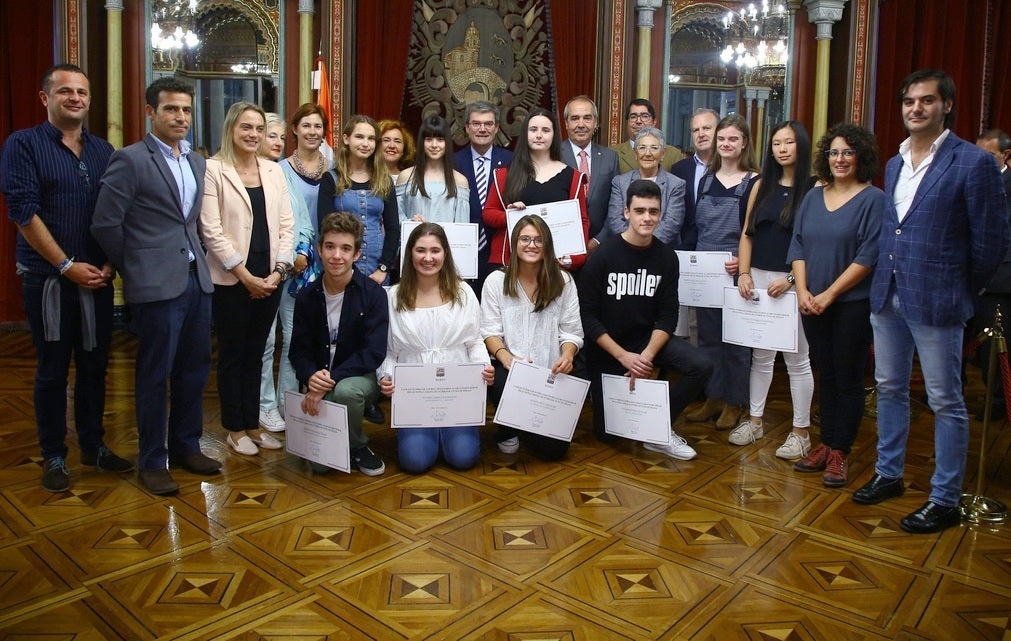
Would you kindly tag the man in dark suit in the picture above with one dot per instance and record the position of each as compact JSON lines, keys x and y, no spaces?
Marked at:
{"x":640,"y":113}
{"x":941,"y":242}
{"x":146,"y":221}
{"x":477,"y":161}
{"x":599,"y":163}
{"x":693,"y":168}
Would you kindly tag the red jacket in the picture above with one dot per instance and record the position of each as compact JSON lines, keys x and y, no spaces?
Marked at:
{"x":495,"y":217}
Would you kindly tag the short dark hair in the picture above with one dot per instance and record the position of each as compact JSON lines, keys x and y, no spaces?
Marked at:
{"x":642,"y":188}
{"x":47,"y":77}
{"x":341,"y":222}
{"x":641,"y":102}
{"x":860,"y":140}
{"x":168,"y":84}
{"x":945,"y":87}
{"x":1003,"y":140}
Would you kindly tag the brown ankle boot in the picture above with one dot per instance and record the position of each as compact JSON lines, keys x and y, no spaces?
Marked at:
{"x":729,"y":417}
{"x":709,"y":410}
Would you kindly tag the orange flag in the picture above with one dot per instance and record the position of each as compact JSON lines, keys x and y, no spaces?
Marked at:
{"x":323,"y":97}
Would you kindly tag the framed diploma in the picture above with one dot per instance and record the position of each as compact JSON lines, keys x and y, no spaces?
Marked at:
{"x":564,"y":221}
{"x":462,"y":239}
{"x":762,"y":321}
{"x":438,"y":395}
{"x":642,"y":414}
{"x":702,"y":278}
{"x":537,"y":401}
{"x":322,"y":438}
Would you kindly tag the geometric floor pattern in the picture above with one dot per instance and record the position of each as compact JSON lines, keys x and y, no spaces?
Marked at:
{"x":614,"y":542}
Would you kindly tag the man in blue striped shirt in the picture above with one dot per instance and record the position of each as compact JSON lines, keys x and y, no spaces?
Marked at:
{"x":49,"y":175}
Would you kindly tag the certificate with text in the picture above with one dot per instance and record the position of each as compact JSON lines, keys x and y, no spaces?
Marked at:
{"x":462,"y":239}
{"x":438,"y":395}
{"x":761,"y":321}
{"x":702,"y":278}
{"x":564,"y":221}
{"x":322,"y":438}
{"x":642,"y":414}
{"x":535,"y":400}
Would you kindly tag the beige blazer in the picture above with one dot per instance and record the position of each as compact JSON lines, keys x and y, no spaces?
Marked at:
{"x":226,"y":217}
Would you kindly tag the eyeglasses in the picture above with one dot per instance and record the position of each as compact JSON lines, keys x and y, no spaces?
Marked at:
{"x":536,"y":241}
{"x":82,"y":171}
{"x":640,"y":117}
{"x":655,"y":149}
{"x":487,"y":124}
{"x":846,"y":153}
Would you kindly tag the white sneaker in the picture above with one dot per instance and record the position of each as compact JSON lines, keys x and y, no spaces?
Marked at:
{"x":271,"y":420}
{"x":746,"y":433}
{"x":795,"y":446}
{"x":676,"y":447}
{"x":509,"y":446}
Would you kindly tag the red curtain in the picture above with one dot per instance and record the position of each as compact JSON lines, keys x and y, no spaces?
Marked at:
{"x":574,"y":35}
{"x":384,"y":33}
{"x":1000,"y":105}
{"x":21,"y":25}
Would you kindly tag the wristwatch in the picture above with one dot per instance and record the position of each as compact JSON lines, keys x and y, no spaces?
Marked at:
{"x":790,"y":279}
{"x":383,"y":268}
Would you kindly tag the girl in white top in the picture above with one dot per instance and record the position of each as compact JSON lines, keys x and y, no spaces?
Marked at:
{"x":434,"y":318}
{"x":432,"y":190}
{"x":530,"y":311}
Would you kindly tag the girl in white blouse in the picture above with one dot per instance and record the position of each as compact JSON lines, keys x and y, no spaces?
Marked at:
{"x":434,"y":318}
{"x":530,"y":311}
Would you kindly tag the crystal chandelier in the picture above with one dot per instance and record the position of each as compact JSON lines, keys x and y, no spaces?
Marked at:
{"x":748,"y":33}
{"x":178,"y":13}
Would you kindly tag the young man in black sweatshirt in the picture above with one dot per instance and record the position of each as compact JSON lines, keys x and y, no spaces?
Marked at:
{"x":629,"y":308}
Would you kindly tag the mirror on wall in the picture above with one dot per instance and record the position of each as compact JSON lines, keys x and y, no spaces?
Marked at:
{"x":729,"y":57}
{"x":230,"y":50}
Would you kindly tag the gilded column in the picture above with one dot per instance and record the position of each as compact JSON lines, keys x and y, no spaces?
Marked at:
{"x":823,"y":13}
{"x":761,"y":97}
{"x":644,"y":10}
{"x":114,"y":63}
{"x":305,"y":57}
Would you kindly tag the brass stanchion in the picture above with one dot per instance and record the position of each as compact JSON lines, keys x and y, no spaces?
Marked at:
{"x":976,"y":508}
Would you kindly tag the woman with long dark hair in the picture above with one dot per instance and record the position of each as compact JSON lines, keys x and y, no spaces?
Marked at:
{"x":432,"y":191}
{"x":530,"y":311}
{"x":536,"y":175}
{"x":768,"y":230}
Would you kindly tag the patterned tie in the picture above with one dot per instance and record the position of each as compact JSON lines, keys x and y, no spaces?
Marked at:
{"x":584,"y":168}
{"x":481,"y":179}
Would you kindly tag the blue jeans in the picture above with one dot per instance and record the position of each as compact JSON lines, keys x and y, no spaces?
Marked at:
{"x":940,"y":351}
{"x":418,"y":447}
{"x":53,"y":366}
{"x":271,"y":397}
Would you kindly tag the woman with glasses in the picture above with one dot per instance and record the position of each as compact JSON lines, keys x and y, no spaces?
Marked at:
{"x":768,"y":230}
{"x":247,"y":226}
{"x":434,"y":318}
{"x":535,"y":176}
{"x":530,"y":311}
{"x":719,"y":216}
{"x":649,"y":150}
{"x":834,"y":249}
{"x":397,"y":146}
{"x":432,"y":191}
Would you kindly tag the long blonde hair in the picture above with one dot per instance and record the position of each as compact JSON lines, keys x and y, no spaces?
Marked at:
{"x":379,"y":182}
{"x":227,"y":151}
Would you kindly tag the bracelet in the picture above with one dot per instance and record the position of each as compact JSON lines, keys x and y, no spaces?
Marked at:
{"x":748,"y":274}
{"x":66,"y":264}
{"x":498,"y":350}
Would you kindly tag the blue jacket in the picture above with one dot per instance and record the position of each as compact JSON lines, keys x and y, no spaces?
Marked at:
{"x":950,"y":242}
{"x":361,"y":337}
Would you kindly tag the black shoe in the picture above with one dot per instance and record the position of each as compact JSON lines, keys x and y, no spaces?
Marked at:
{"x":105,"y":461}
{"x":367,"y":462}
{"x":879,"y":488}
{"x":196,"y":463}
{"x":158,"y":482}
{"x":931,"y":518}
{"x":374,"y":414}
{"x":55,"y":475}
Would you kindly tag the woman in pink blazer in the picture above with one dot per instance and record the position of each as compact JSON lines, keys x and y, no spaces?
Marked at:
{"x":247,"y":226}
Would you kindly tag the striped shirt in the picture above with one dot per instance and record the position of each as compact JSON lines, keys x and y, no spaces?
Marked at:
{"x":39,"y":175}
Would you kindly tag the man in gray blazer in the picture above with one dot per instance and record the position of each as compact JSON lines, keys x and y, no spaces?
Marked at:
{"x":599,"y":163}
{"x":146,"y":221}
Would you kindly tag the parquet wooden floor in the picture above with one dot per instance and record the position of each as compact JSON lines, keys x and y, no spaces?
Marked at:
{"x":612,"y":543}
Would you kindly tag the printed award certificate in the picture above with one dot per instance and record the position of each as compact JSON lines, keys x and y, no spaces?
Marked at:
{"x":702,"y":278}
{"x":642,"y":414}
{"x":564,"y":221}
{"x":535,"y":400}
{"x":763,"y":321}
{"x":322,"y":438}
{"x":438,"y":395}
{"x":462,"y":239}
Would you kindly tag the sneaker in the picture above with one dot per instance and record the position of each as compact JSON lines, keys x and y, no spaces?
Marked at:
{"x":374,"y":414}
{"x":367,"y":462}
{"x":835,"y":469}
{"x":676,"y":447}
{"x":814,"y":461}
{"x":794,"y":447}
{"x":745,"y":433}
{"x":272,"y":421}
{"x":509,"y":446}
{"x":105,"y":461}
{"x":55,"y":475}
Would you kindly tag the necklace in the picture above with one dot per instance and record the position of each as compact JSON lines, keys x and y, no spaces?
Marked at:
{"x":302,"y":170}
